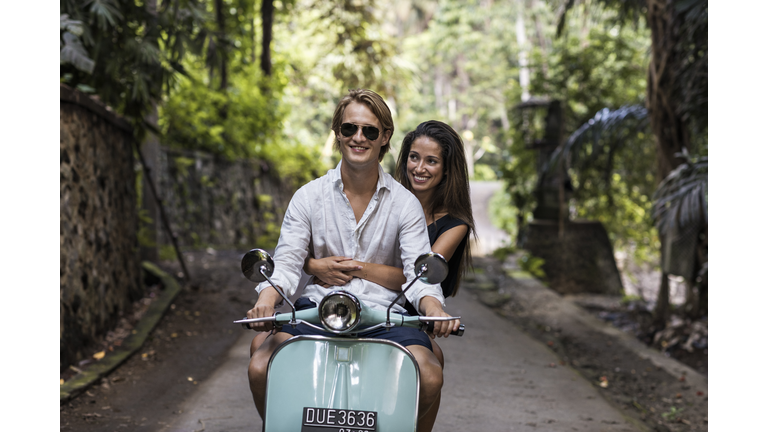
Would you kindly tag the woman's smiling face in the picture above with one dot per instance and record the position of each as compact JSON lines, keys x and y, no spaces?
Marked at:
{"x":425,"y":164}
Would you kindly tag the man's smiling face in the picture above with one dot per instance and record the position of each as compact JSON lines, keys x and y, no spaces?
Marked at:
{"x":357,"y":150}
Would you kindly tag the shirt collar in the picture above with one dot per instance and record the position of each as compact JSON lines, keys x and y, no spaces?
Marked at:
{"x":384,"y":181}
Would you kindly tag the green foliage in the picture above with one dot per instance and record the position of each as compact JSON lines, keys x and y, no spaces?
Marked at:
{"x":483,"y":172}
{"x":243,"y":121}
{"x":166,"y":253}
{"x":673,"y":414}
{"x":71,"y":48}
{"x":503,"y":252}
{"x":532,"y":265}
{"x":682,"y":198}
{"x":136,"y":52}
{"x":503,"y":215}
{"x":610,"y":159}
{"x":599,"y":72}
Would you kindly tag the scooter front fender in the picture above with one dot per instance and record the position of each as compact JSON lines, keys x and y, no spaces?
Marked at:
{"x":342,"y":373}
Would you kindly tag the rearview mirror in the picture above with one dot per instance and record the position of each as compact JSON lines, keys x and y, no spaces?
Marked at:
{"x":432,"y":266}
{"x":254,"y":263}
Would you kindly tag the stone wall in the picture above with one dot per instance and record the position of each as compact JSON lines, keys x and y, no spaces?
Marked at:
{"x":99,"y":262}
{"x":581,"y":262}
{"x":215,"y":202}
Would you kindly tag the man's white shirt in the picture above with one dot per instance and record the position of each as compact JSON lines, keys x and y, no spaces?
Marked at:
{"x":392,"y":231}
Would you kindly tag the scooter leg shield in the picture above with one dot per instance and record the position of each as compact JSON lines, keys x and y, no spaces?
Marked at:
{"x":341,"y":374}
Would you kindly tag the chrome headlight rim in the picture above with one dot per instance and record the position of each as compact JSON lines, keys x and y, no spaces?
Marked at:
{"x":356,"y":313}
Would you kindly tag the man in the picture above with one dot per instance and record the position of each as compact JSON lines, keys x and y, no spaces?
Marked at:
{"x":355,"y":210}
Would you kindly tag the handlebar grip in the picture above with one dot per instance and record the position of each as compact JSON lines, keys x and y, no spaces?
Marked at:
{"x":459,"y":332}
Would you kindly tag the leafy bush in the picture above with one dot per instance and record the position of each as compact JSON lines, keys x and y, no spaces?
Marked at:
{"x":243,"y":121}
{"x":532,"y":265}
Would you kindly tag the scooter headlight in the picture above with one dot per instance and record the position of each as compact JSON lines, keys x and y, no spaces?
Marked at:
{"x":339,"y":312}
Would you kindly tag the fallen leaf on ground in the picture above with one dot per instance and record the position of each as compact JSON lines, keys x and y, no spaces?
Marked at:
{"x":604,"y":382}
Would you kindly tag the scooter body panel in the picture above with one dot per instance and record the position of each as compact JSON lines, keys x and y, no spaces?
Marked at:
{"x":342,"y":373}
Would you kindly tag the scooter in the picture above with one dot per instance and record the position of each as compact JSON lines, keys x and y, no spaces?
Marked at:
{"x":345,"y":383}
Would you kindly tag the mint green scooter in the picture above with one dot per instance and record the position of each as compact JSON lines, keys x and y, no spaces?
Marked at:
{"x":347,"y":383}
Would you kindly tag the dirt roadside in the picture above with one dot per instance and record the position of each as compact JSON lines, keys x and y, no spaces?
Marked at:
{"x":662,"y":393}
{"x":186,"y":346}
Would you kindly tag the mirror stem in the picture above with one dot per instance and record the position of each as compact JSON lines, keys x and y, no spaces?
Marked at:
{"x":422,"y":269}
{"x":293,"y":322}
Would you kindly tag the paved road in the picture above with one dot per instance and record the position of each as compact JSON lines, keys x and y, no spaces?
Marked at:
{"x":496,"y":377}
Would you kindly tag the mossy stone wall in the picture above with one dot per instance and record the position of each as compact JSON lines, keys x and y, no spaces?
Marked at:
{"x":99,"y":262}
{"x":581,"y":261}
{"x":212,"y":201}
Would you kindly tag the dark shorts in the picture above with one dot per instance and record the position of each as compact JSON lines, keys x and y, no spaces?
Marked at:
{"x":403,"y":335}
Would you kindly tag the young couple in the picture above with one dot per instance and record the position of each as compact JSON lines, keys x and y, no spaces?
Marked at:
{"x":358,"y":229}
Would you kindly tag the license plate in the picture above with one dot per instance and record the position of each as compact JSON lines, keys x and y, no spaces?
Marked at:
{"x":337,"y":420}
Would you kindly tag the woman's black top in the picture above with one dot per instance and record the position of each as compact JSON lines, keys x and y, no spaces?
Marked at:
{"x":435,"y":230}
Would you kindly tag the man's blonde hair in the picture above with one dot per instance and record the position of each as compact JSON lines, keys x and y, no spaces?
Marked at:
{"x":378,"y":107}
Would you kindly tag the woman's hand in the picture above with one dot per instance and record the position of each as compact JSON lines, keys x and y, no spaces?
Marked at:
{"x":430,"y":306}
{"x":332,"y":271}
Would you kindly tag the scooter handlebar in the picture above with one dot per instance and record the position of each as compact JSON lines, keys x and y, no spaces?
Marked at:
{"x":460,"y":332}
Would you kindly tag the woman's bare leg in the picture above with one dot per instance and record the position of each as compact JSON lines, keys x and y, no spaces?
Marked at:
{"x":431,"y":377}
{"x":427,"y":421}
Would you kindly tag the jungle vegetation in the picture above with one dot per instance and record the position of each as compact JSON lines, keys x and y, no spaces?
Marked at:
{"x":260,"y":78}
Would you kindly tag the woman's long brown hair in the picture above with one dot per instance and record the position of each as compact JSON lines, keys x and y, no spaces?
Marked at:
{"x":452,"y":194}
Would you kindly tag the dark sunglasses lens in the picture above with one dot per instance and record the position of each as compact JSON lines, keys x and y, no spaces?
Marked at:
{"x":370,"y":132}
{"x":348,"y":129}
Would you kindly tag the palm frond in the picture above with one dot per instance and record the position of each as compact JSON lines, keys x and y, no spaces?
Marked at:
{"x":73,"y":52}
{"x":106,"y":11}
{"x":606,"y":132}
{"x":73,"y":26}
{"x":627,"y":11}
{"x":681,"y":198}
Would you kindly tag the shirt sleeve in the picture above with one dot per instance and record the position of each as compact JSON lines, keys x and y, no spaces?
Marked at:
{"x":292,"y":246}
{"x":414,"y":241}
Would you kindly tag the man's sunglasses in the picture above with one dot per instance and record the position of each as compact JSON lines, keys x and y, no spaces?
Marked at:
{"x":349,"y":129}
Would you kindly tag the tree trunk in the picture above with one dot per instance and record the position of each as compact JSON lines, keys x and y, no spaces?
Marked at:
{"x":661,"y":312}
{"x":668,"y":127}
{"x":267,"y":14}
{"x":222,"y":31}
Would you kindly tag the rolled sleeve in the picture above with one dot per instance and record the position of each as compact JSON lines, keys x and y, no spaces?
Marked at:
{"x":414,"y":241}
{"x":292,"y":246}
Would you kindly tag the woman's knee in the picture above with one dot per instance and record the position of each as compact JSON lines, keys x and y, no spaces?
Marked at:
{"x":438,"y":353}
{"x":432,"y":377}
